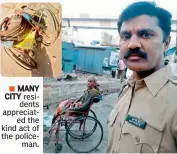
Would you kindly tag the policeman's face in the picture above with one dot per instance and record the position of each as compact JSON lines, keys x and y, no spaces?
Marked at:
{"x":141,"y":43}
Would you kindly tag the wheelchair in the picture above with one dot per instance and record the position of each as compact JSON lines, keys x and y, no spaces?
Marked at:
{"x":83,"y":131}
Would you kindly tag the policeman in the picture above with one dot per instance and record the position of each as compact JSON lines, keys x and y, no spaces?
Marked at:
{"x":144,"y":120}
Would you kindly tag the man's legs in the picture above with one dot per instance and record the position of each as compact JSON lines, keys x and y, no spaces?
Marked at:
{"x":66,"y":104}
{"x":118,"y":74}
{"x":121,"y":75}
{"x":113,"y":74}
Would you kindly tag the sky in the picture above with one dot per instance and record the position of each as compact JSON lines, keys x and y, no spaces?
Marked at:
{"x":106,"y":8}
{"x":100,"y":9}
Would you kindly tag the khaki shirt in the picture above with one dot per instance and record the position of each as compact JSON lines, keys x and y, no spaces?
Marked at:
{"x":153,"y":100}
{"x":175,"y":58}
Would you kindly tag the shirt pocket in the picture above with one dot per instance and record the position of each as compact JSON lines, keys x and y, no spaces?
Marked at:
{"x":148,"y":139}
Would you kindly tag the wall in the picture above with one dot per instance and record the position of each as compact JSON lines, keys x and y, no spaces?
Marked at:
{"x":90,"y":59}
{"x":56,"y":92}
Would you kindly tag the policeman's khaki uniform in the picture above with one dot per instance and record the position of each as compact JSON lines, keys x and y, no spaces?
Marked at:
{"x":154,"y":101}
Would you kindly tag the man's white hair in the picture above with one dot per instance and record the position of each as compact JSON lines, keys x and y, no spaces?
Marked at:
{"x":93,"y":78}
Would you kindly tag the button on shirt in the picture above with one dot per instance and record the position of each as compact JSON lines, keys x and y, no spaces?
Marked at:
{"x":153,"y":100}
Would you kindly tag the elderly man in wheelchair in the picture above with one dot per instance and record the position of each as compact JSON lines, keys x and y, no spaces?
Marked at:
{"x":73,"y":107}
{"x":79,"y":126}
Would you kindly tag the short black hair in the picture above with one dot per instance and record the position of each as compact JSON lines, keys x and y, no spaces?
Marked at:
{"x":147,"y":8}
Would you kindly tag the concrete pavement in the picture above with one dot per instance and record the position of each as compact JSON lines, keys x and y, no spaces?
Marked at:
{"x":102,"y":110}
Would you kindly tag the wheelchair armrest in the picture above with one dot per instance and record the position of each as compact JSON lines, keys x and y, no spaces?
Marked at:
{"x":97,"y":99}
{"x":72,"y":111}
{"x":72,"y":98}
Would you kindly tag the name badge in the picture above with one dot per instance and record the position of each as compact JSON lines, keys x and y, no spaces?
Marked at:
{"x":137,"y":122}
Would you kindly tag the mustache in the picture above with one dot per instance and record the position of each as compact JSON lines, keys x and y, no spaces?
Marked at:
{"x":136,"y":51}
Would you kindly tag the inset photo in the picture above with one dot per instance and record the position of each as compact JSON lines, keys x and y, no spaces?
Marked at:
{"x":30,"y":39}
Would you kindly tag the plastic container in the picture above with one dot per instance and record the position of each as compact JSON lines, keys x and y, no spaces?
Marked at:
{"x":27,"y":16}
{"x":47,"y":120}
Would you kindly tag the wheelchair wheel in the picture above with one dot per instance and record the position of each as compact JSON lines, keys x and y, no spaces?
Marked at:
{"x":84,"y":143}
{"x":86,"y":134}
{"x":26,"y":62}
{"x":58,"y":148}
{"x":52,"y":27}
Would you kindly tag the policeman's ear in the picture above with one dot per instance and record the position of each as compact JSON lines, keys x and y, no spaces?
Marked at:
{"x":166,"y":44}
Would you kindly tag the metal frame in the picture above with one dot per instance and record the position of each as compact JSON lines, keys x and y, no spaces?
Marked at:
{"x":69,"y":20}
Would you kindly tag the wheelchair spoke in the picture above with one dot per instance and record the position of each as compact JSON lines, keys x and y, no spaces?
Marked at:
{"x":86,"y":139}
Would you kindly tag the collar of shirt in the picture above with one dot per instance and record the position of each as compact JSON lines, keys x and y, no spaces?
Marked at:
{"x":154,"y":82}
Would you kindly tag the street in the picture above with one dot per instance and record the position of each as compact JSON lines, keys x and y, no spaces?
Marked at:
{"x":102,"y":110}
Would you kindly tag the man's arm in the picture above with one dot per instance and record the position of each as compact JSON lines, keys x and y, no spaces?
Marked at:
{"x":87,"y":102}
{"x":79,"y":99}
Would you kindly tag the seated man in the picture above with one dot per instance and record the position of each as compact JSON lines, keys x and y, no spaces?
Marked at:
{"x":82,"y":104}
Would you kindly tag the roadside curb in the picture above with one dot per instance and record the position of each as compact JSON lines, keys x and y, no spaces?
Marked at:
{"x":56,"y":92}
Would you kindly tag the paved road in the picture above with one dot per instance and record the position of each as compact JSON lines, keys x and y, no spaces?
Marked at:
{"x":102,"y":110}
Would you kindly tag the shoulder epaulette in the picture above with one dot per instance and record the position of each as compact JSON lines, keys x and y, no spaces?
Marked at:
{"x":173,"y":73}
{"x":173,"y":79}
